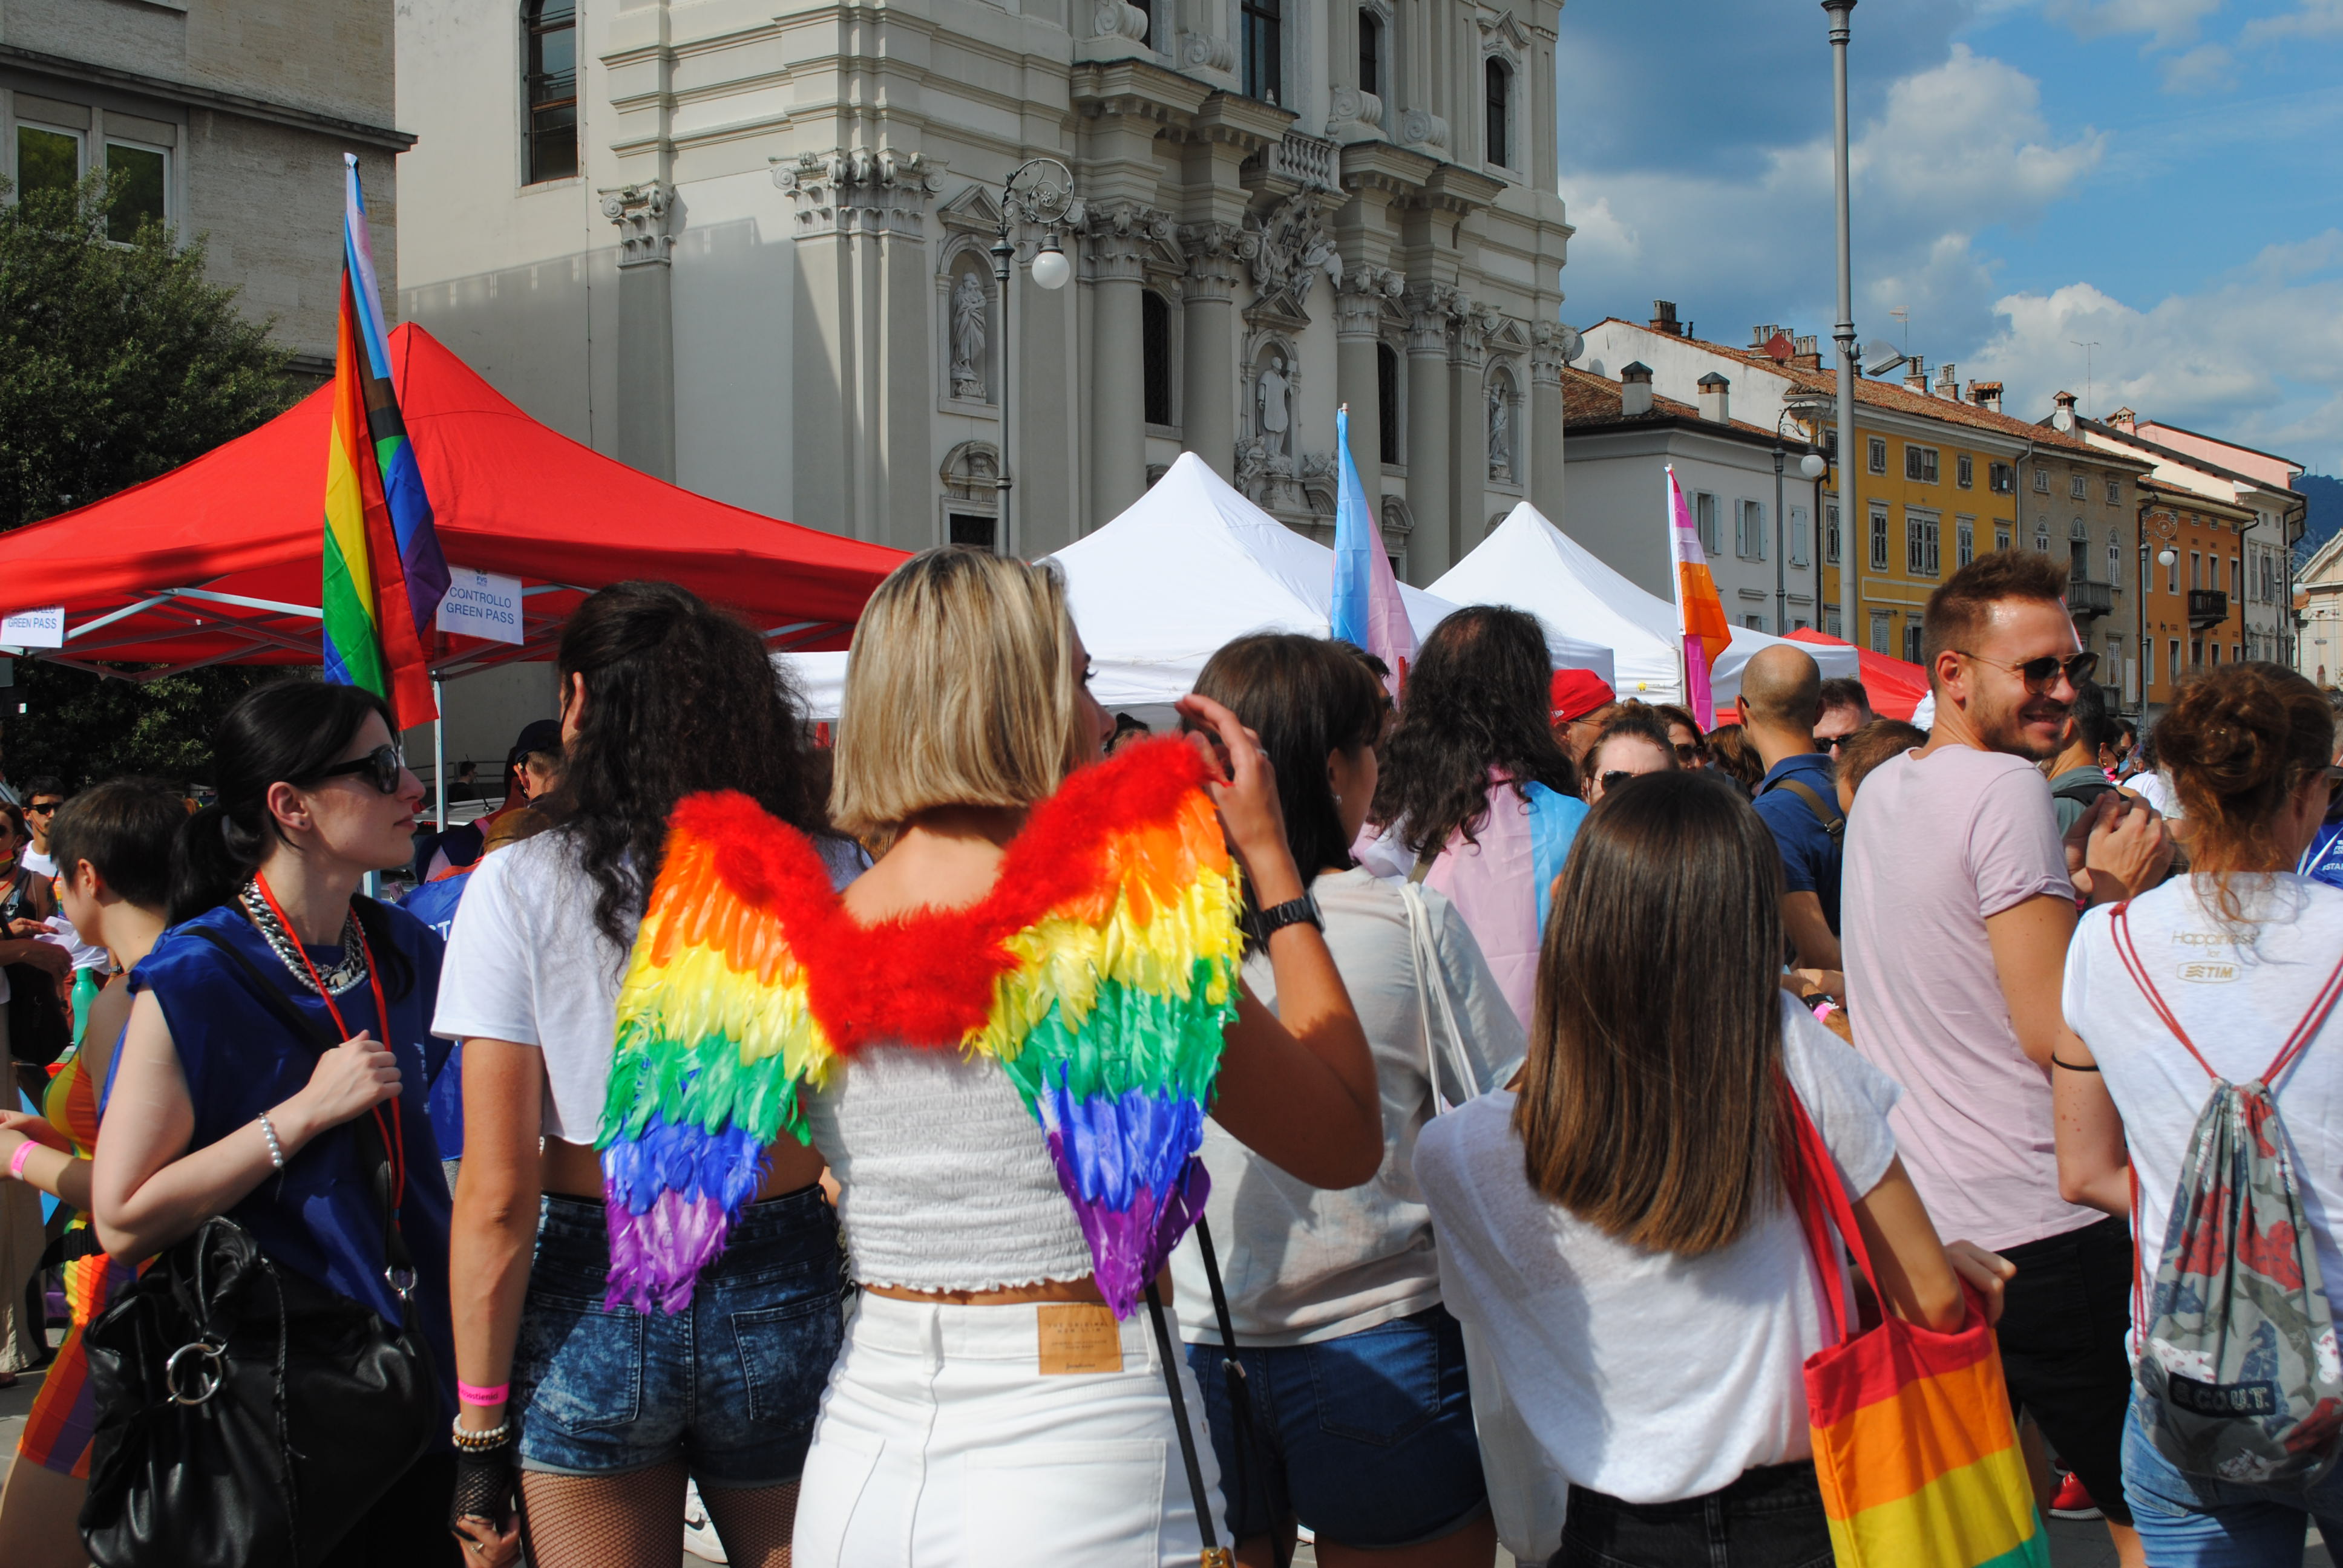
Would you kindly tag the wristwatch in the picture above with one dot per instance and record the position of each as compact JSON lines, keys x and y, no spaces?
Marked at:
{"x":1277,"y":917}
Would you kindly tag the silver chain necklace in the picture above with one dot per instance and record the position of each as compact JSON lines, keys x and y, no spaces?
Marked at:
{"x":352,"y":967}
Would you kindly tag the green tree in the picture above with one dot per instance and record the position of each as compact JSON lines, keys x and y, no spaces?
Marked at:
{"x":118,"y":362}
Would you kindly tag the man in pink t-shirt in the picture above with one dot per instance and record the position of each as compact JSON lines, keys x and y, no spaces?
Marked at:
{"x":1958,"y":904}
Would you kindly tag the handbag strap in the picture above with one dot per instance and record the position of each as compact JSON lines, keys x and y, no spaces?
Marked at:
{"x":1214,"y":1554}
{"x":1431,"y":998}
{"x":374,"y":1149}
{"x":1823,"y":1207}
{"x":1246,"y":1435}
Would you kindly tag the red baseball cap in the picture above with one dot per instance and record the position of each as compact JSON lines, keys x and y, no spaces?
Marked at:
{"x":1578,"y":692}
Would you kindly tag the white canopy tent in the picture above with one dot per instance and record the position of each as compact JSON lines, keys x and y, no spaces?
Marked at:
{"x":1529,"y":563}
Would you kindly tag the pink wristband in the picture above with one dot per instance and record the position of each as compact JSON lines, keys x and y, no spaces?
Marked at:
{"x":473,"y":1393}
{"x":1825,"y":1010}
{"x":17,"y":1161}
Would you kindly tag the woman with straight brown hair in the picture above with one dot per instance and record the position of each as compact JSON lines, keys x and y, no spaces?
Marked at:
{"x":1620,"y":1231}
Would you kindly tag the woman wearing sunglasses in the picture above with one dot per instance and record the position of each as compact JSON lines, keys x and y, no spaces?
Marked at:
{"x":1633,"y":741}
{"x":219,"y":1107}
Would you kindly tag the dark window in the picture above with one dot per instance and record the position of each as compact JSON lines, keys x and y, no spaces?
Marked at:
{"x":1155,"y":355}
{"x":47,"y":161}
{"x":1263,"y":24}
{"x":1500,"y":81}
{"x":1370,"y":53}
{"x":1387,"y":400}
{"x":137,"y":189}
{"x":552,"y":88}
{"x":975,"y":532}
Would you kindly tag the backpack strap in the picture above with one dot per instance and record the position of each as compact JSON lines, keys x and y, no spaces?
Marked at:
{"x":1833,"y":820}
{"x":1423,"y":864}
{"x":2126,"y":950}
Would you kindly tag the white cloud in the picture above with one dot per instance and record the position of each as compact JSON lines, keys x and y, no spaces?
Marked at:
{"x":2170,"y":23}
{"x":2204,"y":69}
{"x":2310,"y":19}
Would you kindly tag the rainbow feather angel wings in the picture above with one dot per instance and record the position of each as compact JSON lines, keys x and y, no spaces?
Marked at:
{"x":1100,"y":973}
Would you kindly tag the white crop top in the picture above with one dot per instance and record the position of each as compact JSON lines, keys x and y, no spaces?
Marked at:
{"x":947,"y":1180}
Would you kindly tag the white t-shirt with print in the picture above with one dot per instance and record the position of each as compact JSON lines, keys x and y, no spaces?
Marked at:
{"x":1647,"y":1375}
{"x":1301,"y":1263}
{"x":2238,"y":1001}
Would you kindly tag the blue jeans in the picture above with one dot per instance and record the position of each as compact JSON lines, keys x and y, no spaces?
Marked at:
{"x":729,"y":1385}
{"x":1368,"y":1437}
{"x":2186,"y":1522}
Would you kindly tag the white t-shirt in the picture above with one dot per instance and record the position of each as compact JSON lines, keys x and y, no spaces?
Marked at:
{"x":527,"y":963}
{"x":61,"y":931}
{"x":2238,"y":1004}
{"x":2156,"y":789}
{"x":1646,"y":1375}
{"x":1301,"y":1263}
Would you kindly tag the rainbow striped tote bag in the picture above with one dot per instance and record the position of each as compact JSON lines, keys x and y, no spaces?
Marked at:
{"x":1914,"y":1446}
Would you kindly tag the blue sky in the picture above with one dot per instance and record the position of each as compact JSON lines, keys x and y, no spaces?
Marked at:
{"x":2162,"y":177}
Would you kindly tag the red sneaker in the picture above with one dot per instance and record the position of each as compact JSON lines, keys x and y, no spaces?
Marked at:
{"x":2073,"y":1501}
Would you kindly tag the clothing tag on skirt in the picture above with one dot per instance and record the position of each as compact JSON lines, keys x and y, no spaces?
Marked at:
{"x":1079,"y":1337}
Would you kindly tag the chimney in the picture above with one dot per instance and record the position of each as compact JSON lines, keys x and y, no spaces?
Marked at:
{"x":1809,"y":356}
{"x":1715,"y":398}
{"x":2124,"y":419}
{"x":1948,"y":384}
{"x":1634,"y":389}
{"x":1915,"y":374}
{"x":1985,"y":394}
{"x":2065,"y":402}
{"x":1664,"y":317}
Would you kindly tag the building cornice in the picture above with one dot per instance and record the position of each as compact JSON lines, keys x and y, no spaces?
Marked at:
{"x":212,"y":98}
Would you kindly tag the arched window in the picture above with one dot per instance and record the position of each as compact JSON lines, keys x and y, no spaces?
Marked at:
{"x":1499,"y":79}
{"x":1370,"y":53}
{"x":1155,"y":354}
{"x":1387,"y":400}
{"x":1263,"y":26}
{"x":550,"y":87}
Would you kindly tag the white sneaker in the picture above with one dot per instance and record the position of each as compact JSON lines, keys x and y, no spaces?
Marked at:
{"x":699,"y":1536}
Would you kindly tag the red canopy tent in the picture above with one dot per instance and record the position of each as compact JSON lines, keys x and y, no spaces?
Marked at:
{"x":220,"y":560}
{"x":1895,"y":685}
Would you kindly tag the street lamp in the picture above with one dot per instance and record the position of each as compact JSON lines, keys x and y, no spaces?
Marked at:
{"x":1039,"y":191}
{"x":1811,"y":466}
{"x":1843,"y":331}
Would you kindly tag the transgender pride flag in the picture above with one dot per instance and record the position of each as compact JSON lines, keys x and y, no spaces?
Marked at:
{"x":1700,"y":613}
{"x":1367,"y":612}
{"x":384,"y":574}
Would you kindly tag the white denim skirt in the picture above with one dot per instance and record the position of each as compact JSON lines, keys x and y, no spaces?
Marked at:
{"x":941,"y":1442}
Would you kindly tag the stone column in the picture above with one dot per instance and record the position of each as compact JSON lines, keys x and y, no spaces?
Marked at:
{"x":895,"y":220}
{"x":1119,"y":239}
{"x":646,"y":326}
{"x":1358,"y":327}
{"x":1543,"y":443}
{"x":1468,"y":414}
{"x":1208,"y":387}
{"x":1429,"y":439}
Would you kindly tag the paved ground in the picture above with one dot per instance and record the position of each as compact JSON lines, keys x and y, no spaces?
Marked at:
{"x":2072,"y":1544}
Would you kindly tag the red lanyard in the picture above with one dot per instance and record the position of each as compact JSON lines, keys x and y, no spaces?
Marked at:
{"x":393,"y":1132}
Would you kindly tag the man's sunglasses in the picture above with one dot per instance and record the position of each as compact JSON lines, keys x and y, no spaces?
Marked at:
{"x":44,"y":809}
{"x":381,"y":767}
{"x":1616,"y":777}
{"x":2037,"y":673}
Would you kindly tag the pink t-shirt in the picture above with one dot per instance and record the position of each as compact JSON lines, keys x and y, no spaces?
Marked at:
{"x":1937,"y":844}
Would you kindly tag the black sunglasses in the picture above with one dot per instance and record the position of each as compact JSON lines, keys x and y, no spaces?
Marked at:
{"x":2037,"y":673}
{"x":48,"y":809}
{"x":1687,"y":753}
{"x":1616,"y":777}
{"x":381,"y":767}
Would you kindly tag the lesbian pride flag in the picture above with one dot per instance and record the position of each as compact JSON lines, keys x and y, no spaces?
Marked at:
{"x":1700,"y":613}
{"x":384,"y":574}
{"x":1367,"y":612}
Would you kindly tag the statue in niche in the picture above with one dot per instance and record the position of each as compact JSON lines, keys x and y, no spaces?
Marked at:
{"x":1501,"y":437}
{"x":1273,"y":400}
{"x":970,"y":302}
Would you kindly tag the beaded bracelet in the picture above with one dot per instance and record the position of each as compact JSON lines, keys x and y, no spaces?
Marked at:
{"x":496,"y":1437}
{"x":275,"y":1150}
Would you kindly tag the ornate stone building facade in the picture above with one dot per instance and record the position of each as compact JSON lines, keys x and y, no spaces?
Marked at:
{"x":761,"y":265}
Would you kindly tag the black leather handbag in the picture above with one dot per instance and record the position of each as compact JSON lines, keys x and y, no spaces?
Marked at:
{"x":247,"y":1415}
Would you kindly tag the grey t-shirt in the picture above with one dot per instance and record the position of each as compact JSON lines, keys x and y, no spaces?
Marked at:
{"x":1301,"y":1264}
{"x":2070,"y":811}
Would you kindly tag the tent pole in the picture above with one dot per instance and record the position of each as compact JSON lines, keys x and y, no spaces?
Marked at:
{"x":439,"y":754}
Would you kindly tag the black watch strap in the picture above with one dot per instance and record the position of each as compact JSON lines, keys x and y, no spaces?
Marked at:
{"x":1292,"y":912}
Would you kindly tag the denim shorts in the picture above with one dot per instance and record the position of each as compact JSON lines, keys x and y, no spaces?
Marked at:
{"x":730,"y":1385}
{"x":1368,"y":1437}
{"x":2189,"y":1523}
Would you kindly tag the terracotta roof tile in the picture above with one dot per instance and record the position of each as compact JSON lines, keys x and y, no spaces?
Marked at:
{"x":1589,"y":399}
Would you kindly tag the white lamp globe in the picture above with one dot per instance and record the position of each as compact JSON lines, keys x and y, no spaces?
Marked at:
{"x":2165,"y":557}
{"x":1812,"y":465}
{"x":1051,"y":268}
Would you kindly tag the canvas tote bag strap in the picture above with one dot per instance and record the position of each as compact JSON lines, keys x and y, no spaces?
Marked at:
{"x":1824,"y":1212}
{"x":1444,"y":1043}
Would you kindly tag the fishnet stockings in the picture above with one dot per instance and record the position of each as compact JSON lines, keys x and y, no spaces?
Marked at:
{"x":637,"y":1519}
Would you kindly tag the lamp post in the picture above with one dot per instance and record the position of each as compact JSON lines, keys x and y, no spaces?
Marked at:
{"x":1811,"y":466}
{"x":1843,"y":331}
{"x":1040,"y":192}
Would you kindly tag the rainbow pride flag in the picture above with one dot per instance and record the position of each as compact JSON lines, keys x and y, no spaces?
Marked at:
{"x":1914,"y":1447}
{"x":1700,"y":613}
{"x":384,"y":576}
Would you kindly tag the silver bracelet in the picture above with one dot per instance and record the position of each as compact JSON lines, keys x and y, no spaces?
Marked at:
{"x":275,"y":1150}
